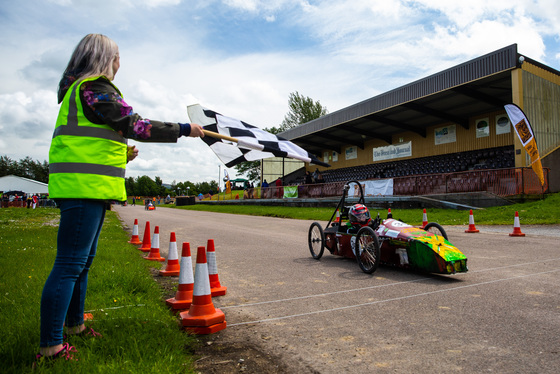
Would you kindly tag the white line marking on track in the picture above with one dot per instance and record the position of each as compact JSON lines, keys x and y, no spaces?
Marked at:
{"x":376,"y":286}
{"x":392,"y":299}
{"x":335,"y":292}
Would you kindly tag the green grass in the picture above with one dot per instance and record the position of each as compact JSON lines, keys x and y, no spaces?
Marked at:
{"x":140,"y":335}
{"x":542,"y":212}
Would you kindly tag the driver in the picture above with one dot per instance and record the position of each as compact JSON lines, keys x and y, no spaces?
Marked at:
{"x":358,"y":216}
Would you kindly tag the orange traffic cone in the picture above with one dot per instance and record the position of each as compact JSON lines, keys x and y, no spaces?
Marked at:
{"x":202,"y":317}
{"x":424,"y":218}
{"x":389,"y":214}
{"x":146,"y":242}
{"x":172,"y":269}
{"x":135,"y":239}
{"x":154,"y":251}
{"x":516,"y":226}
{"x":215,"y":287}
{"x":183,"y":297}
{"x":337,"y":218}
{"x":471,"y":228}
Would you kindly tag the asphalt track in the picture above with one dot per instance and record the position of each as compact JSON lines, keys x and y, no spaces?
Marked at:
{"x":327,"y":316}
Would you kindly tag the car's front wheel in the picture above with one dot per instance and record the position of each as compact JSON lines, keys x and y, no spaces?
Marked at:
{"x":368,"y":251}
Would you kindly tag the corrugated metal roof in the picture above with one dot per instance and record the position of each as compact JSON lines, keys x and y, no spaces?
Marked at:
{"x":454,"y":94}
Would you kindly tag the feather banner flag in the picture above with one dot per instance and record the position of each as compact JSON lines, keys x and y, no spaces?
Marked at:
{"x":235,"y":141}
{"x":525,"y":133}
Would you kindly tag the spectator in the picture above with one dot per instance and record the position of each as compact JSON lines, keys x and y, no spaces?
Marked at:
{"x":83,"y":183}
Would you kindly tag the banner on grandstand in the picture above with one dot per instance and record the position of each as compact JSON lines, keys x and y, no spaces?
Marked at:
{"x":447,"y":134}
{"x":502,"y":124}
{"x":381,"y":187}
{"x":351,"y":153}
{"x":392,"y":151}
{"x":290,"y":192}
{"x":524,"y":131}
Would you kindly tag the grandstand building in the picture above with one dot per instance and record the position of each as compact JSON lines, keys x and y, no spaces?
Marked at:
{"x":446,"y":133}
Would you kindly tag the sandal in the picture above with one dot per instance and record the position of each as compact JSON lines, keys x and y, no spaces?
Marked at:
{"x":66,"y":352}
{"x":88,"y":332}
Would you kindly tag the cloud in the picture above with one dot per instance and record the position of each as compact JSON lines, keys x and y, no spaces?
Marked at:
{"x":26,"y":124}
{"x":244,"y":57}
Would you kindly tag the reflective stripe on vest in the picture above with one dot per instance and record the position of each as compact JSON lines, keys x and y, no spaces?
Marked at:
{"x":86,"y":160}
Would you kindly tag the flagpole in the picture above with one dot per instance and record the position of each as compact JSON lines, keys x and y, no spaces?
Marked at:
{"x":216,"y":135}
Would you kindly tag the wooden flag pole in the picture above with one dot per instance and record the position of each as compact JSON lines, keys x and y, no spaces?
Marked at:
{"x":216,"y":135}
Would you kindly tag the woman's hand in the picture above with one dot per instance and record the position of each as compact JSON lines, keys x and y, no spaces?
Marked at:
{"x":196,"y":131}
{"x":131,"y":153}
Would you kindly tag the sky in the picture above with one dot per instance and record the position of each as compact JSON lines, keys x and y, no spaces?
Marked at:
{"x":243,"y":58}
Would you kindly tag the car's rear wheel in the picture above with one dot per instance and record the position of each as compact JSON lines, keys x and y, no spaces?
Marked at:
{"x":367,"y":250}
{"x":316,"y":239}
{"x":435,"y":228}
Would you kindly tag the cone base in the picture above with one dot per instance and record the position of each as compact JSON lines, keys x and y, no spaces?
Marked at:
{"x":516,"y":233}
{"x":179,"y":304}
{"x":160,"y":259}
{"x":205,"y":320}
{"x":144,"y":249}
{"x":206,"y":330}
{"x":218,"y":291}
{"x":169,"y":273}
{"x":472,"y":229}
{"x":135,"y":241}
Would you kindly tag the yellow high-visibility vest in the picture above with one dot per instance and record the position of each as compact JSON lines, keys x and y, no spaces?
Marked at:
{"x":86,"y":160}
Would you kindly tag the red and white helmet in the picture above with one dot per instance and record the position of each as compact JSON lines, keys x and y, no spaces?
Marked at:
{"x":359,"y":214}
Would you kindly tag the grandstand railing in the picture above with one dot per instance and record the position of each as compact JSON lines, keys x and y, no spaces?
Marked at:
{"x":500,"y":182}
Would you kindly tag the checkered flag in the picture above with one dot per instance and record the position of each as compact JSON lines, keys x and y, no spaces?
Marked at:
{"x":240,"y":142}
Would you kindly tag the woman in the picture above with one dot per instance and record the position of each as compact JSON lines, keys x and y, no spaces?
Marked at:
{"x":87,"y":158}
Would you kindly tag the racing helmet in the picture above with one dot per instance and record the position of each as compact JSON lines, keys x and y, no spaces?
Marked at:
{"x":359,"y":214}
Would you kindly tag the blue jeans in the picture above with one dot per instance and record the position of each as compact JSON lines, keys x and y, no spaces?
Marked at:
{"x":65,"y":289}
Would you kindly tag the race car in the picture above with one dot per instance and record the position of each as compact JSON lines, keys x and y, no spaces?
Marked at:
{"x":352,"y":233}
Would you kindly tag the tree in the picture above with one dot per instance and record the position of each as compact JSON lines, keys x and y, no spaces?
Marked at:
{"x":26,"y":168}
{"x":7,"y":166}
{"x":130,"y":187}
{"x":302,"y":109}
{"x":251,"y":169}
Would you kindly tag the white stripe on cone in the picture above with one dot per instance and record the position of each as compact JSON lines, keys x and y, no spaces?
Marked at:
{"x":202,"y":280}
{"x":211,"y":260}
{"x":172,"y":254}
{"x":155,"y":240}
{"x":186,"y":275}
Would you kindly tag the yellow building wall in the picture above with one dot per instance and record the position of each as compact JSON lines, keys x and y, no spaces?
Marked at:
{"x":541,"y":104}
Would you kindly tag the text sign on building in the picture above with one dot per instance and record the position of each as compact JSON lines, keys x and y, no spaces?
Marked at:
{"x":447,"y":134}
{"x":351,"y":153}
{"x":392,"y":151}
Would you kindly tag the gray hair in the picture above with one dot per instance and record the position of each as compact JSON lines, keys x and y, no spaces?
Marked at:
{"x":92,"y":57}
